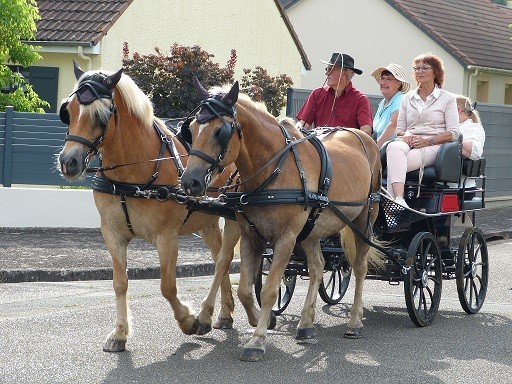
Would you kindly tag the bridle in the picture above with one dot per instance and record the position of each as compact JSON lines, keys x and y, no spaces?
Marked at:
{"x":210,"y":109}
{"x":90,"y":89}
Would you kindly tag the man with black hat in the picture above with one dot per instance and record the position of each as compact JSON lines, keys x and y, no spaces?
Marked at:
{"x":338,"y":103}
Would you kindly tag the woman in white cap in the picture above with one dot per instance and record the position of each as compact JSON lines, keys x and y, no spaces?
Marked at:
{"x":393,"y":85}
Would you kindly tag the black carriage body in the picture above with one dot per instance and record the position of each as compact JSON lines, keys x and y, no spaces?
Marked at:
{"x":420,"y":249}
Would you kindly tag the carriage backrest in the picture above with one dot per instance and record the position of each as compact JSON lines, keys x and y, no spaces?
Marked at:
{"x":447,"y":166}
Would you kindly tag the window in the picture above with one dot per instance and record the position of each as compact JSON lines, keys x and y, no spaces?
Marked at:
{"x":44,"y":80}
{"x":508,"y":94}
{"x":482,"y":91}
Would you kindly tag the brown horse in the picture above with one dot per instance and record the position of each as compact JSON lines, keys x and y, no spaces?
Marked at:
{"x":141,"y":161}
{"x":284,"y":187}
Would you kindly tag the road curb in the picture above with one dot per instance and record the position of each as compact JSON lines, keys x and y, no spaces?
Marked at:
{"x":139,"y":273}
{"x":63,"y":275}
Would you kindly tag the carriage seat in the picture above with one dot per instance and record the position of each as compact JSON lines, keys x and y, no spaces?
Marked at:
{"x":448,"y":170}
{"x":447,"y":167}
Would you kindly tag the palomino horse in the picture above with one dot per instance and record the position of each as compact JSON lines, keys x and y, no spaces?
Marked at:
{"x":134,"y":189}
{"x":295,"y":190}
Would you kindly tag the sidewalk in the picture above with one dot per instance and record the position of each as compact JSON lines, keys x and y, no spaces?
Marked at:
{"x":66,"y":254}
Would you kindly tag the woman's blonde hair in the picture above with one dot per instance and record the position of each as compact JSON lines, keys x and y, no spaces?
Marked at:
{"x":466,"y":106}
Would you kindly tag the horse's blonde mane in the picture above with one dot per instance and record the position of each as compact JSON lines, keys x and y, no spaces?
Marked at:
{"x":136,"y":101}
{"x":243,"y":98}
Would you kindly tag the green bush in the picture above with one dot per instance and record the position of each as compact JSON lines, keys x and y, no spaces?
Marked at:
{"x":168,"y":79}
{"x":262,"y":87}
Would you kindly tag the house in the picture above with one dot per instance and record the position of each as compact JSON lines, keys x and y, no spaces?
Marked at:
{"x":471,"y":36}
{"x":92,"y":32}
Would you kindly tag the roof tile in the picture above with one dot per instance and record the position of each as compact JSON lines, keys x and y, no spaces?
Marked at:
{"x":77,"y":20}
{"x":475,"y":32}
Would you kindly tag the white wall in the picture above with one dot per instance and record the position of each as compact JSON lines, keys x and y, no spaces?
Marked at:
{"x":39,"y":207}
{"x":254,"y":29}
{"x":372,"y":32}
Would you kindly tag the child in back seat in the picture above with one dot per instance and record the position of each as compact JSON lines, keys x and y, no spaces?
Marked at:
{"x":473,"y":136}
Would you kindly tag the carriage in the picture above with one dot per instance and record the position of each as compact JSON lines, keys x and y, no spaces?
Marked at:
{"x":415,"y":242}
{"x":423,"y":251}
{"x":311,"y":181}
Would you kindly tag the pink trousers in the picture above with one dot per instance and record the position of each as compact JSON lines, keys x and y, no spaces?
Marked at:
{"x":402,"y":159}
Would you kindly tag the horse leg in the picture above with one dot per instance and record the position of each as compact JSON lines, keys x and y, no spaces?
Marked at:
{"x":167,"y":246}
{"x":230,"y":236}
{"x":117,"y":246}
{"x":250,"y":259}
{"x":357,"y":252}
{"x":306,"y":328}
{"x":254,"y":350}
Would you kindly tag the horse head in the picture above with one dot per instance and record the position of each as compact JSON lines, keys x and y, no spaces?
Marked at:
{"x":87,"y":112}
{"x":211,"y":131}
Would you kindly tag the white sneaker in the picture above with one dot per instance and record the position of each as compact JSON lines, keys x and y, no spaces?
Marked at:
{"x":401,"y":201}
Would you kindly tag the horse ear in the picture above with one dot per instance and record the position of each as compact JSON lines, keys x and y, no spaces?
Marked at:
{"x":78,"y":71}
{"x":231,"y":97}
{"x":112,"y":80}
{"x":203,"y":93}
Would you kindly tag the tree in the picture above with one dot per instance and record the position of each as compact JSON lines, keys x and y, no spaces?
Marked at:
{"x":18,"y":22}
{"x":263,"y":87}
{"x":168,"y":80}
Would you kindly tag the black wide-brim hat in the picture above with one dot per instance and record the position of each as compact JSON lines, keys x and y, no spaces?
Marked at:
{"x":342,"y":60}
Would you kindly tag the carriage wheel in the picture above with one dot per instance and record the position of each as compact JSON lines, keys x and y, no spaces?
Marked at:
{"x":335,"y":280}
{"x":423,"y":282}
{"x":286,"y":288}
{"x":472,"y":270}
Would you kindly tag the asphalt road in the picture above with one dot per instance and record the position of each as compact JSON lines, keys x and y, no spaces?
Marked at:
{"x":53,"y":332}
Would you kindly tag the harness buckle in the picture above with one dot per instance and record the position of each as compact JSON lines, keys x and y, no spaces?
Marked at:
{"x":242,"y":199}
{"x":165,"y":139}
{"x":162,"y":194}
{"x":138,"y":192}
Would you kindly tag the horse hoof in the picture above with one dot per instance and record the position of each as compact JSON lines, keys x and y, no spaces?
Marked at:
{"x":272,"y":321}
{"x":203,"y":329}
{"x":305,"y":333}
{"x":192,"y":330}
{"x":354,"y":333}
{"x":114,"y":346}
{"x":252,"y":354}
{"x":224,"y":323}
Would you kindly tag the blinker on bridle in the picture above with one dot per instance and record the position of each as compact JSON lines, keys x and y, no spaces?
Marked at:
{"x":216,"y":109}
{"x":88,"y":91}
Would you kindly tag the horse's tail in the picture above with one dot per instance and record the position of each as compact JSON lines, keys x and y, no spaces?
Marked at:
{"x":375,"y":257}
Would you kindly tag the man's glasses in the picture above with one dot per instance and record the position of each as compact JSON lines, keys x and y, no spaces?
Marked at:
{"x":423,"y":68}
{"x":331,"y":69}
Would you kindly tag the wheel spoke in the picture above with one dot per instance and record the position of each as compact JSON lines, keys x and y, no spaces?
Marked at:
{"x":471,"y":270}
{"x":426,"y":277}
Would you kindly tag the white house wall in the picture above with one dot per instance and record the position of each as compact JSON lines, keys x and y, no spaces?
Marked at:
{"x":372,"y":32}
{"x":254,"y":29}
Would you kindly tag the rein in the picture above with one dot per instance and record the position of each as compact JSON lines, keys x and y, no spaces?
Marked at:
{"x":318,"y":200}
{"x":289,"y":145}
